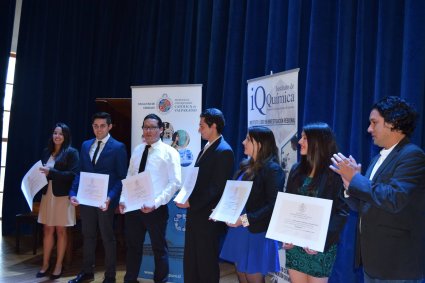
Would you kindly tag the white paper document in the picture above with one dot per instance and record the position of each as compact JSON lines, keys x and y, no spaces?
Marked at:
{"x":138,"y":191}
{"x":93,"y":189}
{"x":33,"y":182}
{"x":300,"y":220}
{"x":188,"y":186}
{"x":232,"y":201}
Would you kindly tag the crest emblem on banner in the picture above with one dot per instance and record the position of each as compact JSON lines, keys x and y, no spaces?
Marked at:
{"x":165,"y":104}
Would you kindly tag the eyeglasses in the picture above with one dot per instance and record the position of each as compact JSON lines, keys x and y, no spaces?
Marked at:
{"x":149,"y":129}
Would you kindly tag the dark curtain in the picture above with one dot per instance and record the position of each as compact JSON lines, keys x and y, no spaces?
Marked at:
{"x":350,"y":53}
{"x":7,"y":15}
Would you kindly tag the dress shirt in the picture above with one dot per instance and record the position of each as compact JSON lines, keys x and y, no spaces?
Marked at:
{"x":163,"y":164}
{"x":94,"y":145}
{"x":207,"y":145}
{"x":383,"y":155}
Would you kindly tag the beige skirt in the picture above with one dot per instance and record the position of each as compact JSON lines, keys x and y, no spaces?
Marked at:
{"x":56,"y":211}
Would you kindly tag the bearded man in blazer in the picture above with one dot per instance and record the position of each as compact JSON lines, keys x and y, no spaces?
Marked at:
{"x":390,"y":197}
{"x":202,"y":235}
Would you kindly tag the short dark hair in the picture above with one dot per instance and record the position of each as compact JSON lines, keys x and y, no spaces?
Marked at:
{"x":155,"y":117}
{"x":214,"y":115}
{"x":102,"y":115}
{"x":397,"y":112}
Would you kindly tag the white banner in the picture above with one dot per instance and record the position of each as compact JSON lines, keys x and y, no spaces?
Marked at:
{"x":273,"y":103}
{"x":179,"y":107}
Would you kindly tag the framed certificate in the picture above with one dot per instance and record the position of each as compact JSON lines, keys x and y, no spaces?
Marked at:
{"x":300,"y":220}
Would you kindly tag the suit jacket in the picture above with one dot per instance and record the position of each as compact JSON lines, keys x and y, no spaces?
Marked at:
{"x":391,"y":230}
{"x":215,"y":168}
{"x":63,"y":172}
{"x":259,"y":207}
{"x":329,"y":187}
{"x":112,"y":161}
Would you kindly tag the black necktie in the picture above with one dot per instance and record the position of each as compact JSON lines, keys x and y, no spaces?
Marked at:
{"x":93,"y":161}
{"x":144,"y":158}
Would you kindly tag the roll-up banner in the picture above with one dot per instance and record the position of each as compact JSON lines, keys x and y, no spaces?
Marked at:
{"x":179,"y":107}
{"x":273,"y":103}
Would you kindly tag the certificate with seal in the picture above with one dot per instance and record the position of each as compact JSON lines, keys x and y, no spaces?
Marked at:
{"x":232,"y":202}
{"x":300,"y":220}
{"x":33,"y":182}
{"x":138,"y":191}
{"x":93,"y":189}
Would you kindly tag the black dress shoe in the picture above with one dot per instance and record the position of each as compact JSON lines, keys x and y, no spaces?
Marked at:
{"x":42,"y":274}
{"x":82,"y":277}
{"x":109,"y":280}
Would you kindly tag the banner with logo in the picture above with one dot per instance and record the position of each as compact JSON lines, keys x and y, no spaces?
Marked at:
{"x":273,"y":103}
{"x":179,"y":107}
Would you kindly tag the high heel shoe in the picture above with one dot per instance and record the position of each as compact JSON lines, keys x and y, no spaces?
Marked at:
{"x":42,"y":274}
{"x":54,"y":277}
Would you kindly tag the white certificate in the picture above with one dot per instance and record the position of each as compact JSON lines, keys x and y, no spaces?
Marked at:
{"x":300,"y":220}
{"x":33,"y":182}
{"x":187,"y":188}
{"x":232,"y":201}
{"x":93,"y":189}
{"x":138,"y":191}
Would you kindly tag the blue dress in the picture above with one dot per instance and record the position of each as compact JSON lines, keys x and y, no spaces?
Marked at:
{"x":250,"y":252}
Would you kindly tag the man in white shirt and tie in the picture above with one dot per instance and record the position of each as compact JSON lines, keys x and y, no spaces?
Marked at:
{"x":390,"y":197}
{"x":163,"y":163}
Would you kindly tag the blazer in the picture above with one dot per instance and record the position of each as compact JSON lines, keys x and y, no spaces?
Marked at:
{"x":259,"y":207}
{"x":63,"y":172}
{"x":391,"y":207}
{"x":112,"y":161}
{"x":329,"y":187}
{"x":215,"y":168}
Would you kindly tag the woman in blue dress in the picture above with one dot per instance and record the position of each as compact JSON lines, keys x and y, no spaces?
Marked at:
{"x":312,"y":177}
{"x":246,"y":245}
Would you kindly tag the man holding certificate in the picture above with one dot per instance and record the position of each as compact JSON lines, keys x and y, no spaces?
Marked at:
{"x":202,"y":235}
{"x":390,"y":197}
{"x":100,"y":157}
{"x":162,"y":162}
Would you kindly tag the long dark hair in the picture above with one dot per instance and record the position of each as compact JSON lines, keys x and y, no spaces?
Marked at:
{"x":268,"y":151}
{"x":66,"y":132}
{"x":321,"y":147}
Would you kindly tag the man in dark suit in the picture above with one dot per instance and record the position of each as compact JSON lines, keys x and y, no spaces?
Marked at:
{"x":390,"y":198}
{"x":102,"y":155}
{"x":202,"y":235}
